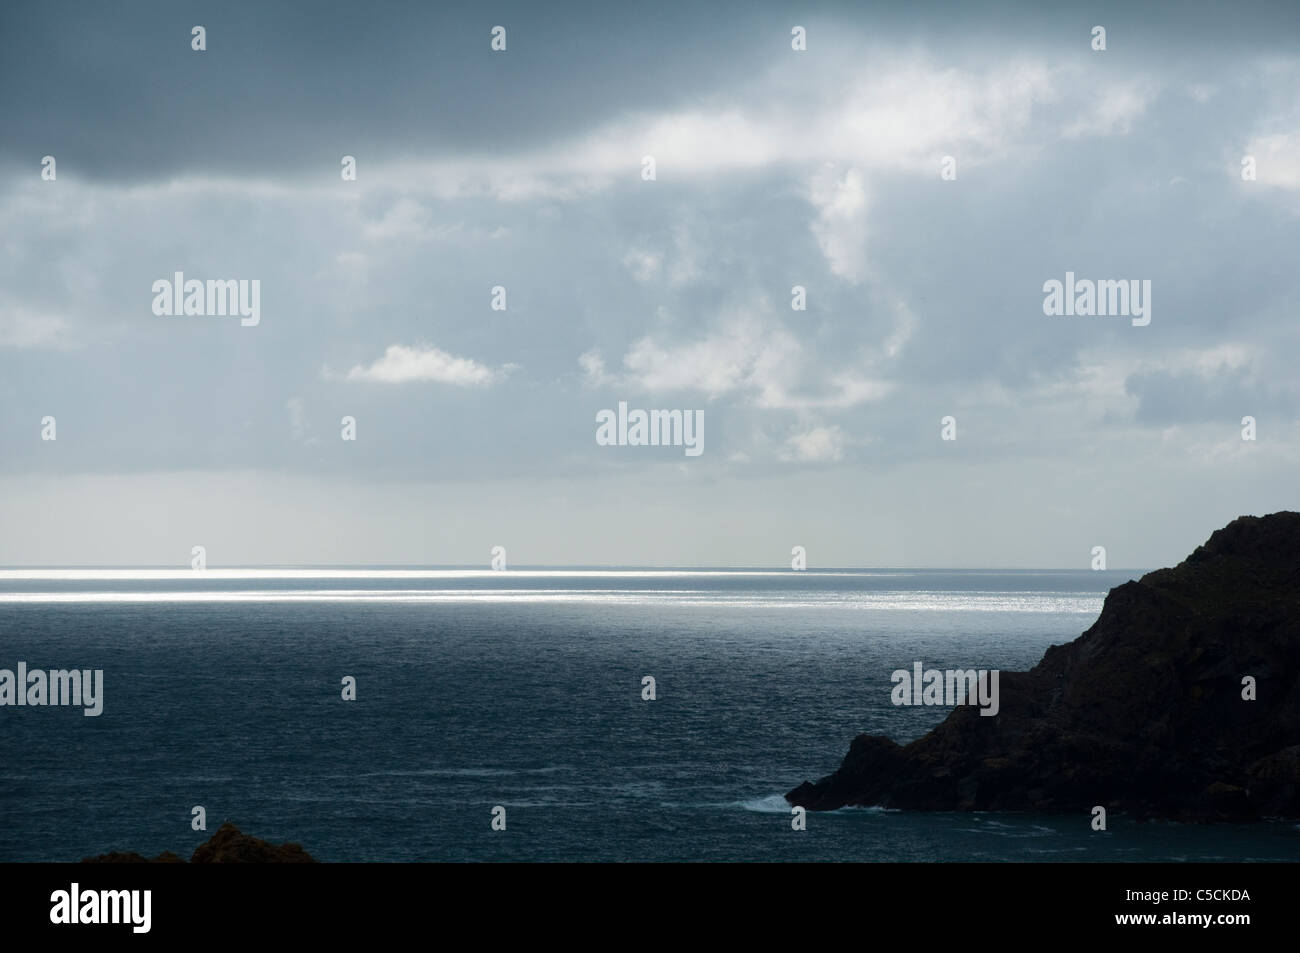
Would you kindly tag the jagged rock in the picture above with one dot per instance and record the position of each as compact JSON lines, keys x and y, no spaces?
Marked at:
{"x":1143,"y":713}
{"x":119,"y":857}
{"x":227,"y":846}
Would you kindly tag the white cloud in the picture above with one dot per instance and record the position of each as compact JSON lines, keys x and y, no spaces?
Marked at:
{"x":407,"y":220}
{"x":24,"y":328}
{"x":847,"y":389}
{"x":818,"y":445}
{"x":840,"y":226}
{"x":1112,"y":111}
{"x":758,"y":361}
{"x":898,"y":115}
{"x":716,"y":364}
{"x":401,"y":364}
{"x":1277,"y":159}
{"x":593,"y":368}
{"x":643,"y":264}
{"x":1097,"y":385}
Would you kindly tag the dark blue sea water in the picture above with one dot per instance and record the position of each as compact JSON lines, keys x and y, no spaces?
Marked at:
{"x":523,"y":690}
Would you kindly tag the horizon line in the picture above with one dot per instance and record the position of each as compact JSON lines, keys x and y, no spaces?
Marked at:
{"x":398,"y":570}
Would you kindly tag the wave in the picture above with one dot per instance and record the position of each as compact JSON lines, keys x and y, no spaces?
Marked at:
{"x":777,"y":804}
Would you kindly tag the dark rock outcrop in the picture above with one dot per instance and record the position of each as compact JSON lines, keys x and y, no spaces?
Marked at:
{"x":124,"y":857}
{"x":1142,"y":714}
{"x":227,"y":846}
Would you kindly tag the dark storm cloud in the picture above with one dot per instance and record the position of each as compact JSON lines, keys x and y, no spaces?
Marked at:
{"x":288,"y":87}
{"x":522,"y":169}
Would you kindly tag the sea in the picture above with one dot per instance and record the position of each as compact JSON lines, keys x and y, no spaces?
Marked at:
{"x":508,"y":716}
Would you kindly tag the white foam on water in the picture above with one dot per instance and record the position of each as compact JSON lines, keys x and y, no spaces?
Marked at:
{"x":777,"y":804}
{"x":772,"y":804}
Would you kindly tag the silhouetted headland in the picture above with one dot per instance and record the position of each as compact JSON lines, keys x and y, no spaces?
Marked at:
{"x":1145,"y":713}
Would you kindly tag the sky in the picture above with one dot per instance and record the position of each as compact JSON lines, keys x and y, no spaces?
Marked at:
{"x":523,"y":169}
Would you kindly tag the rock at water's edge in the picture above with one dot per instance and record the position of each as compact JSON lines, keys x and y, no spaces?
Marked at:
{"x":1143,"y":713}
{"x":227,"y":846}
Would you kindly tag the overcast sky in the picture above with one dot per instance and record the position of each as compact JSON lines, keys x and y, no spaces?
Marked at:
{"x":523,"y":169}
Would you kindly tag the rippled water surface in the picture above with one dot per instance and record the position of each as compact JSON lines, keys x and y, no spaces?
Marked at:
{"x":521,"y":689}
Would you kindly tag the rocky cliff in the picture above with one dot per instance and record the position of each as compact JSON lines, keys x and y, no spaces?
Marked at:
{"x":1144,"y":713}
